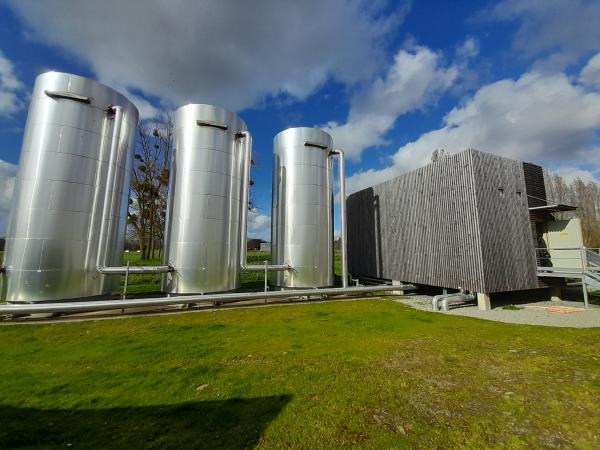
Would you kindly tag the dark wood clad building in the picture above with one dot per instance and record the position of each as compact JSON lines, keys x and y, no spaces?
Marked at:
{"x":460,"y":222}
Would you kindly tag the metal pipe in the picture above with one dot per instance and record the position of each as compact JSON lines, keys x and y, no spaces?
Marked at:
{"x":459,"y":297}
{"x":272,"y":267}
{"x":124,"y":295}
{"x":343,"y":247}
{"x":105,"y":305}
{"x":373,"y":280}
{"x":122,"y":270}
{"x":108,"y":195}
{"x":244,"y":219}
{"x":435,"y":301}
{"x":110,"y":185}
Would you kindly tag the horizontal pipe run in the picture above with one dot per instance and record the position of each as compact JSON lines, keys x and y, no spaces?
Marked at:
{"x":261,"y":268}
{"x":374,"y":280}
{"x":459,"y":297}
{"x":105,"y":305}
{"x":122,"y":270}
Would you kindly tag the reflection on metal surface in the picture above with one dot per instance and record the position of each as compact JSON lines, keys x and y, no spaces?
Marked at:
{"x":302,"y":209}
{"x":203,"y":236}
{"x":62,"y":189}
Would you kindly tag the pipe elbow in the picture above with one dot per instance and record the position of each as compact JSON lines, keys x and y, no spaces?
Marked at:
{"x":435,"y":301}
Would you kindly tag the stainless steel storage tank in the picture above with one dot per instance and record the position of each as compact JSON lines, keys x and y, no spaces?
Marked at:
{"x":71,"y":193}
{"x":203,"y":236}
{"x":302,"y":214}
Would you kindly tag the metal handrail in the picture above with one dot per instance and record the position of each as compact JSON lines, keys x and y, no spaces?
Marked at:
{"x":588,"y":273}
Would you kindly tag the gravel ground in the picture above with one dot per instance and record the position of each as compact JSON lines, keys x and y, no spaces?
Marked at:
{"x":530,"y":314}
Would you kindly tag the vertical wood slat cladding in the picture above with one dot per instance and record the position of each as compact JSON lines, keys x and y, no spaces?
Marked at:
{"x":446,"y":224}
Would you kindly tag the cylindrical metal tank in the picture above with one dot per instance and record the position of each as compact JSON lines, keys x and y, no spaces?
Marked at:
{"x":71,"y":193}
{"x":203,"y":235}
{"x":302,"y":214}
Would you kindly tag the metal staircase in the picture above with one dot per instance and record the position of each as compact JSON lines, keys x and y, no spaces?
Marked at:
{"x":571,"y":263}
{"x":592,"y":274}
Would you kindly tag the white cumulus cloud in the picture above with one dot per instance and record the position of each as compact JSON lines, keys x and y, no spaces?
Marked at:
{"x":8,"y":173}
{"x":539,"y":117}
{"x":11,"y":88}
{"x":563,"y":29}
{"x":570,"y":174}
{"x":231,"y":53}
{"x":414,"y":80}
{"x":259,"y":225}
{"x":590,"y":74}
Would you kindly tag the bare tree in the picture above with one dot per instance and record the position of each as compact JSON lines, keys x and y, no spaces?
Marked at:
{"x":149,"y":186}
{"x":585,"y":196}
{"x":557,"y":191}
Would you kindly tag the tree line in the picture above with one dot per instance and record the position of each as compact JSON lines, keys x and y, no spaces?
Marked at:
{"x":585,"y":196}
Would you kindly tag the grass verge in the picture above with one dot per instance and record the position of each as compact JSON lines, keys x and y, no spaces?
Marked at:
{"x":373,"y":374}
{"x":148,"y":284}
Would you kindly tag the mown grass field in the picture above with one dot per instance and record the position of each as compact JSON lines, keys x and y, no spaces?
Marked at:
{"x":370,"y":373}
{"x":140,"y":285}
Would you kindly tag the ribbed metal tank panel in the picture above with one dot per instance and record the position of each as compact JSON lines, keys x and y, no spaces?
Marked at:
{"x":54,"y":228}
{"x":459,"y":222}
{"x":203,"y":231}
{"x":302,"y":214}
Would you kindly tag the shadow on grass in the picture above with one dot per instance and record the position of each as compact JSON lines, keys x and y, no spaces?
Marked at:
{"x":234,"y":423}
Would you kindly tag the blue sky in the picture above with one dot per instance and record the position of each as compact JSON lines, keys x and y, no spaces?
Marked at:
{"x":392,"y":81}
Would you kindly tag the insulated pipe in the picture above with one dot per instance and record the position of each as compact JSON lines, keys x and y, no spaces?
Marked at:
{"x":260,"y":268}
{"x":105,"y":305}
{"x":343,"y":247}
{"x":459,"y":297}
{"x":435,"y":301}
{"x":109,"y":192}
{"x":122,"y":270}
{"x":244,"y":219}
{"x":108,"y":196}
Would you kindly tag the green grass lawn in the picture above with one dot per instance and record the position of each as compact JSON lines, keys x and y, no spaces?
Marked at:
{"x":140,"y":285}
{"x":149,"y":285}
{"x":371,"y":373}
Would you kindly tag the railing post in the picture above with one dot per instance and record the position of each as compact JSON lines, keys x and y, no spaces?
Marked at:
{"x":266,"y":274}
{"x":126,"y":281}
{"x":586,"y":302}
